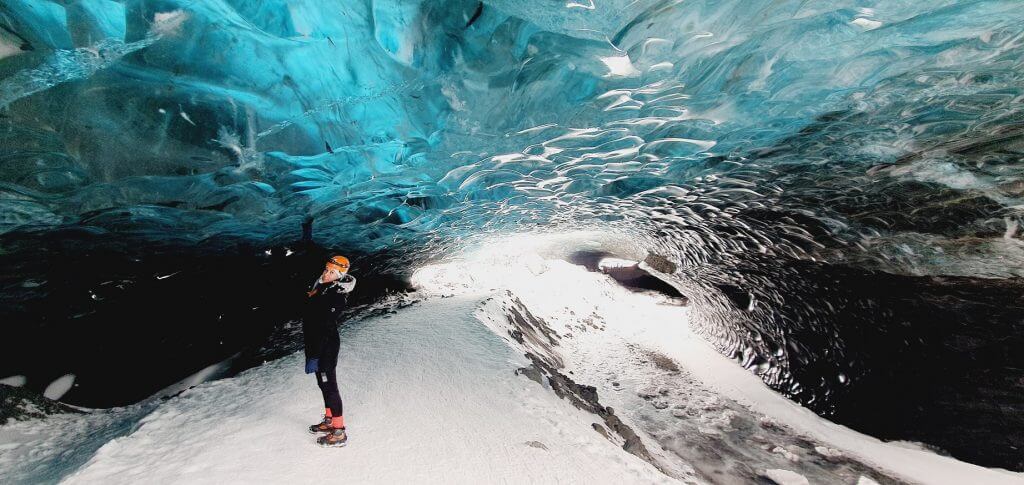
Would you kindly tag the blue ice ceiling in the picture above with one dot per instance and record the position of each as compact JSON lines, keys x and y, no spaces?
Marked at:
{"x":725,"y":136}
{"x":395,"y":119}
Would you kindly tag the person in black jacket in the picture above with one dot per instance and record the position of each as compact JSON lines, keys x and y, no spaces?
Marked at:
{"x":326,"y":299}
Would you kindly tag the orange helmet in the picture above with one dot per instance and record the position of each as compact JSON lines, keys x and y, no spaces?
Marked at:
{"x":338,"y":262}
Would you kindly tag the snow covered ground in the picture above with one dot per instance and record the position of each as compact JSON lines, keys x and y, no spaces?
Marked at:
{"x":695,"y":405}
{"x":430,"y":397}
{"x":442,"y":392}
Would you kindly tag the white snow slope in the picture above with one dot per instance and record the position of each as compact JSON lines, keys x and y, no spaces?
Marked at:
{"x":430,"y":397}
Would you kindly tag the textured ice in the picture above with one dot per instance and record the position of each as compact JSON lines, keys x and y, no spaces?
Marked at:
{"x":405,"y":119}
{"x":734,"y":139}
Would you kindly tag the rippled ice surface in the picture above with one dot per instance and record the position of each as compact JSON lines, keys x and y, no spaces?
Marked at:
{"x":777,"y":157}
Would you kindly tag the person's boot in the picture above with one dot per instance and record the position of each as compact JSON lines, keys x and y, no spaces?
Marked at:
{"x":337,"y":437}
{"x":322,"y":427}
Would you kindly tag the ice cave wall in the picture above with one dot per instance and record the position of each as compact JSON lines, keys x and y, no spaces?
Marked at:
{"x":807,"y":169}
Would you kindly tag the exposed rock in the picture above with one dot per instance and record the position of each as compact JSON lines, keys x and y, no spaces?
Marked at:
{"x":21,"y":404}
{"x":536,"y":444}
{"x":532,"y":332}
{"x":585,"y":397}
{"x":830,"y":454}
{"x":660,"y":263}
{"x":719,"y":440}
{"x":532,"y":372}
{"x":786,"y":453}
{"x":662,"y":362}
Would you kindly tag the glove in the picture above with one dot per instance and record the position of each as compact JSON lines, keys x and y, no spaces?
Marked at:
{"x":312,"y":365}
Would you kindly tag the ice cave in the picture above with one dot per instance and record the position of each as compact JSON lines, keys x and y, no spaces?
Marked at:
{"x":596,"y":241}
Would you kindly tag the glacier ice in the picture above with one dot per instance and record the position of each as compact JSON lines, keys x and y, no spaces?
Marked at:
{"x":808,"y":169}
{"x":415,"y":115}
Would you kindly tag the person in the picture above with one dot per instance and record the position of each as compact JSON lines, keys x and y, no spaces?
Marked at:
{"x":326,"y":300}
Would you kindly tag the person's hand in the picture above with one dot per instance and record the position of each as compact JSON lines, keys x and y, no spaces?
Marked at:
{"x":312,"y":365}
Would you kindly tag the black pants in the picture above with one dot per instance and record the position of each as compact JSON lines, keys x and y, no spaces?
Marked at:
{"x":326,"y":377}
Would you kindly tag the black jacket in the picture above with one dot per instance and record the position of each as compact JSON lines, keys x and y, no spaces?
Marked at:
{"x":324,"y":305}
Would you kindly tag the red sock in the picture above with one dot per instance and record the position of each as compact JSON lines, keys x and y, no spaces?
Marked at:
{"x":338,"y":422}
{"x":327,"y":412}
